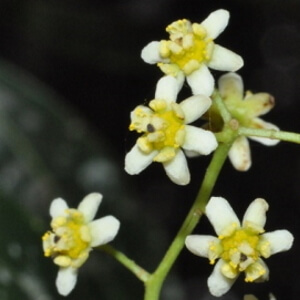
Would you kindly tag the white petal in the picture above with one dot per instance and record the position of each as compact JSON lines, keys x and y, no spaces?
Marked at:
{"x":58,"y":207}
{"x":191,"y":154}
{"x":199,"y":140}
{"x":259,"y":123}
{"x":231,"y":85}
{"x":177,"y":169}
{"x":150,"y":53}
{"x":104,"y":230}
{"x":89,"y":206}
{"x":194,"y":107}
{"x":218,"y":284}
{"x":216,"y":22}
{"x":255,"y":215}
{"x":221,"y":215}
{"x":280,"y":240}
{"x":225,"y":60}
{"x":199,"y":244}
{"x":136,"y":160}
{"x":240,"y":154}
{"x":66,"y":280}
{"x":201,"y":81}
{"x":180,"y":80}
{"x":167,"y":89}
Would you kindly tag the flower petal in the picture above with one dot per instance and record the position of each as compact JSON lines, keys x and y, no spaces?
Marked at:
{"x":66,"y":280}
{"x":231,"y":85}
{"x":240,"y":154}
{"x":167,"y":89}
{"x":104,"y":230}
{"x":199,"y":244}
{"x":150,"y":53}
{"x":280,"y":240}
{"x":255,"y":215}
{"x":89,"y":206}
{"x":194,"y":107}
{"x":191,"y":154}
{"x":259,"y":123}
{"x":58,"y":207}
{"x":136,"y":160}
{"x":199,"y":140}
{"x":218,"y":284}
{"x":221,"y":215}
{"x":177,"y":169}
{"x":201,"y":81}
{"x":216,"y":22}
{"x":224,"y":59}
{"x":258,"y":104}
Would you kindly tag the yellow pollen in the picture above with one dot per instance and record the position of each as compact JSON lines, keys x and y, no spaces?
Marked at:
{"x":163,"y":129}
{"x":67,"y":242}
{"x":187,"y":48}
{"x":173,"y":125}
{"x":196,"y":52}
{"x":239,"y":246}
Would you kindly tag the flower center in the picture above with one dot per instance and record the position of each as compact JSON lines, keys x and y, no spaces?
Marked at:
{"x":240,"y":251}
{"x":187,"y":48}
{"x":240,"y":245}
{"x":163,"y":128}
{"x":68,"y":242}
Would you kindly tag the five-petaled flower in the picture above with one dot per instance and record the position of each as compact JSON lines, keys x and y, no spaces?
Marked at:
{"x":73,"y":235}
{"x":246,"y":109}
{"x":165,"y":132}
{"x":239,"y":247}
{"x":191,"y":50}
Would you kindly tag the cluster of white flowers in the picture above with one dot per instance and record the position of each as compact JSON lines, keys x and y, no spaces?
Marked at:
{"x":188,"y":53}
{"x":167,"y":137}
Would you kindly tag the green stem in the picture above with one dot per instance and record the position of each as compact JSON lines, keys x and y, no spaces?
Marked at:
{"x":224,"y":112}
{"x":128,"y":263}
{"x":272,"y":134}
{"x":154,"y":283}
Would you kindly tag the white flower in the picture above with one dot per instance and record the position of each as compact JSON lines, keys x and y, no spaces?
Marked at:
{"x":246,"y":109}
{"x":73,"y":235}
{"x":191,"y":50}
{"x":239,"y":247}
{"x":165,"y":132}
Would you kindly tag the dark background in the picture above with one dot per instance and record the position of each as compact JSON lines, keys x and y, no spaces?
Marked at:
{"x":70,"y":73}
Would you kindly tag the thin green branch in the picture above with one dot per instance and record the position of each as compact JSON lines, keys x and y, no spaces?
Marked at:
{"x":272,"y":134}
{"x":224,"y":112}
{"x":153,"y":285}
{"x":128,"y":263}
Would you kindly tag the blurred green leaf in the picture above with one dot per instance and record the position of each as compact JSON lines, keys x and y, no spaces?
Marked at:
{"x":48,"y":151}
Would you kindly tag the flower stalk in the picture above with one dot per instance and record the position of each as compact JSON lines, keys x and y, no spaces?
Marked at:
{"x":128,"y":263}
{"x":272,"y":134}
{"x":154,"y":284}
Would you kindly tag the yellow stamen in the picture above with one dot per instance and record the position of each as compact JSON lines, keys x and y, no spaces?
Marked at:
{"x":187,"y":48}
{"x":69,"y":242}
{"x":163,"y":128}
